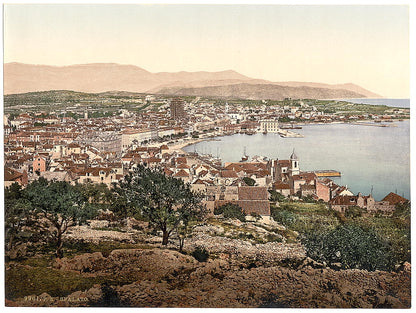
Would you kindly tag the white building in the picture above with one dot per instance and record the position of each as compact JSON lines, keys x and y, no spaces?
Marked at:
{"x":138,"y":136}
{"x":270,"y":126}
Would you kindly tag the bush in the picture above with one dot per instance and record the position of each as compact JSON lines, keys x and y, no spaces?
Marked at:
{"x":249,"y":181}
{"x":351,"y":245}
{"x":354,"y":212}
{"x":308,"y":199}
{"x":276,"y":196}
{"x":284,"y":217}
{"x":230,"y":210}
{"x":200,"y":254}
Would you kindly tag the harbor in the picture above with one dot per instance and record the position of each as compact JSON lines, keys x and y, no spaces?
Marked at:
{"x":349,"y":149}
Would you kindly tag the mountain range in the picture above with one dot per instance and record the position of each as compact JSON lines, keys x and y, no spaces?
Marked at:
{"x":101,"y":77}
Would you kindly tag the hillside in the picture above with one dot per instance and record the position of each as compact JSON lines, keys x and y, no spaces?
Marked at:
{"x":347,"y":86}
{"x":263,"y":91}
{"x":102,"y":77}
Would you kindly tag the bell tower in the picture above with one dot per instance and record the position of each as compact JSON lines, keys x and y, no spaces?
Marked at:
{"x":294,"y":164}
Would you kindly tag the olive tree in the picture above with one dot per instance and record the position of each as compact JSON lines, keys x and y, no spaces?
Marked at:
{"x":59,"y":205}
{"x":19,"y":220}
{"x":167,"y":203}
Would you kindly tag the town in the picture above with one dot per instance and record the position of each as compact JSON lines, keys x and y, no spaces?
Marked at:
{"x":109,"y":203}
{"x":79,"y":142}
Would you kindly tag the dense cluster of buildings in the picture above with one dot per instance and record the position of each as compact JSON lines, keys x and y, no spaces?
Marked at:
{"x":103,"y":150}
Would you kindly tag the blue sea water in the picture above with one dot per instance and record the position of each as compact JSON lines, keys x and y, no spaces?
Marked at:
{"x":370,"y":158}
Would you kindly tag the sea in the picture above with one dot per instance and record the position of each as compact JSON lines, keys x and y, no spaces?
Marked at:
{"x":371,"y":159}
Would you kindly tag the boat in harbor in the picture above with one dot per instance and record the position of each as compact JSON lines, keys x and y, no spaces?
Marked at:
{"x":244,"y":158}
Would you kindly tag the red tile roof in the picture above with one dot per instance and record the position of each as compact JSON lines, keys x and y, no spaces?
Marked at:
{"x":252,"y":193}
{"x":394,"y":198}
{"x":308,"y":177}
{"x":11,"y":174}
{"x":228,"y":174}
{"x":344,"y":200}
{"x":181,"y":173}
{"x":284,"y":163}
{"x":260,"y":207}
{"x":280,"y":185}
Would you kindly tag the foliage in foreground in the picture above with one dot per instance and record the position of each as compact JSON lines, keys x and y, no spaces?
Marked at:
{"x":44,"y":209}
{"x":352,"y":246}
{"x":165,"y":202}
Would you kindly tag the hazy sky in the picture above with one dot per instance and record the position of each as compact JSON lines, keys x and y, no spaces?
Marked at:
{"x":366,"y":45}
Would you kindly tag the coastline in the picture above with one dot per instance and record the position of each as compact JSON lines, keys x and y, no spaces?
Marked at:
{"x":179,"y":146}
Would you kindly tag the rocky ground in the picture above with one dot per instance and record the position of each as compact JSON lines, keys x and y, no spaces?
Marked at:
{"x":238,"y":273}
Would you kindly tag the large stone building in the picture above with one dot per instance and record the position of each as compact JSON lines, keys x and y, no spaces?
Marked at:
{"x":253,"y":200}
{"x":269,"y":126}
{"x":137,"y":136}
{"x":177,"y":111}
{"x":103,"y":141}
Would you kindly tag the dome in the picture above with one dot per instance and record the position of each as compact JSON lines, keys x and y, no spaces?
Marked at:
{"x":293,"y":156}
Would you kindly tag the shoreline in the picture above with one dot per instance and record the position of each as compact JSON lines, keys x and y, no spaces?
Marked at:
{"x":179,"y":146}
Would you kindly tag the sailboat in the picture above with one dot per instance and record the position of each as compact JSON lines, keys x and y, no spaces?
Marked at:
{"x":245,"y":156}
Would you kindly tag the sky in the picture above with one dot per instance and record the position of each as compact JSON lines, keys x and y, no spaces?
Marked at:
{"x":363,"y":44}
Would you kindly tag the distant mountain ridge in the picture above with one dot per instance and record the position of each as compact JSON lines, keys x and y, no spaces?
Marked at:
{"x":101,"y":77}
{"x":263,"y":91}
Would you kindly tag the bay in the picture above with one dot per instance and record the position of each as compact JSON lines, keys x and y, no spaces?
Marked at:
{"x":370,"y":158}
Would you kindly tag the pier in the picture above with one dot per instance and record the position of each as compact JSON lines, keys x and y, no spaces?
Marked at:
{"x":328,"y":173}
{"x":373,"y":124}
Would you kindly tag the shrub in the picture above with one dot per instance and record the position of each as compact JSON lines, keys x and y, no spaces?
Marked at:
{"x":230,"y":210}
{"x":249,"y":181}
{"x":308,"y":199}
{"x":276,"y":196}
{"x":200,"y":254}
{"x":354,"y":212}
{"x":351,"y":245}
{"x":284,"y":217}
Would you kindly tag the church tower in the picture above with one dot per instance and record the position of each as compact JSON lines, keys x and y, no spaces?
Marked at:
{"x":294,"y":164}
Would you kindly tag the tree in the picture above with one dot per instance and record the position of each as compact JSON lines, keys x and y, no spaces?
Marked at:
{"x":165,"y":202}
{"x":276,"y":196}
{"x":97,"y":194}
{"x":59,"y":204}
{"x":20,"y":225}
{"x":249,"y":181}
{"x":351,"y":245}
{"x":231,"y":210}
